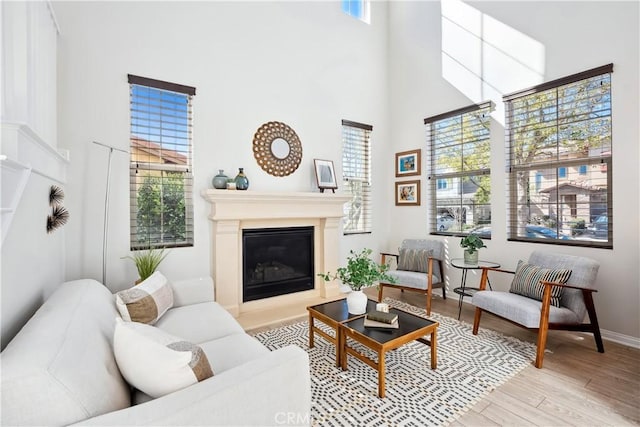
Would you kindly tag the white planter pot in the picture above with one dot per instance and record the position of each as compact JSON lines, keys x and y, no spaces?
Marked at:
{"x":357,"y":302}
{"x":471,"y":259}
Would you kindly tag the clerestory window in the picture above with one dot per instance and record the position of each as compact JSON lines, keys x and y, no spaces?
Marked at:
{"x":359,"y":9}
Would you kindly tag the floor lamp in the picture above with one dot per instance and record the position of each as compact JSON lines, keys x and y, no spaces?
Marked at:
{"x":106,"y":209}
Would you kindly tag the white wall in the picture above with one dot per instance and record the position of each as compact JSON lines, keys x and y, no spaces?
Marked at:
{"x":308,"y":65}
{"x":32,"y":260}
{"x":524,"y":43}
{"x":303,"y":63}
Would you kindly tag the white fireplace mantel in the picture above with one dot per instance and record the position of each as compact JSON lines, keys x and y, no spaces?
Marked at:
{"x":233,"y":211}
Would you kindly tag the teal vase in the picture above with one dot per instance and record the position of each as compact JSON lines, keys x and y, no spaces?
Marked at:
{"x":220,"y":181}
{"x":242,"y":182}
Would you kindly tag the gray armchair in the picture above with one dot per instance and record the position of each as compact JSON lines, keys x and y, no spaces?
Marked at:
{"x":419,"y":268}
{"x":574,"y":299}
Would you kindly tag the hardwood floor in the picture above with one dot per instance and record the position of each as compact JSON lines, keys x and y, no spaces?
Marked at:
{"x":576,"y":387}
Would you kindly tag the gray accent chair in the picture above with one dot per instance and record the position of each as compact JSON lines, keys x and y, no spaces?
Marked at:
{"x":423,"y":282}
{"x":540,"y":316}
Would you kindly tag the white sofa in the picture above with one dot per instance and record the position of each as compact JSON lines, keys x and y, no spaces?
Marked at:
{"x":60,"y":369}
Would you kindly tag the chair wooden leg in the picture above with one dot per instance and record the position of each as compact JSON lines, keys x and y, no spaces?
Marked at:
{"x":476,"y":320}
{"x":380,"y":288}
{"x":542,"y":343}
{"x":444,"y":291}
{"x":544,"y":326}
{"x":429,"y":285}
{"x":591,"y":309}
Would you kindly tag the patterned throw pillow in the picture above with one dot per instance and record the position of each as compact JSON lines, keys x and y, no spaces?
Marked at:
{"x":528,"y":281}
{"x":146,"y":302}
{"x":414,"y":259}
{"x":156,"y":362}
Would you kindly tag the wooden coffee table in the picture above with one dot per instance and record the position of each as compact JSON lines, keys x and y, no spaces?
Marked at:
{"x":332,"y":314}
{"x":410,"y":328}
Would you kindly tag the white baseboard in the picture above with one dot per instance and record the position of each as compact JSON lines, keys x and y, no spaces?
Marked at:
{"x":620,"y":338}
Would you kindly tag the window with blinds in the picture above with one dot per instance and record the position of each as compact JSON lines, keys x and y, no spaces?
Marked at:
{"x":459,"y":171}
{"x":161,"y":173}
{"x":356,"y":173}
{"x":558,"y":137}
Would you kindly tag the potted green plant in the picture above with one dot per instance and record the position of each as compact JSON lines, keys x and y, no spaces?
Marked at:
{"x":361,"y":272}
{"x":472,"y":243}
{"x":147,"y":261}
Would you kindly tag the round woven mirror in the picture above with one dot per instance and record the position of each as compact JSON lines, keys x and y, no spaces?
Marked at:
{"x":277,"y":149}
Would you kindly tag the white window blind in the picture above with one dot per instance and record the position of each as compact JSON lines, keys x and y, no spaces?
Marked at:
{"x":161,"y":174}
{"x":558,"y":137}
{"x":459,"y":170}
{"x":356,"y":173}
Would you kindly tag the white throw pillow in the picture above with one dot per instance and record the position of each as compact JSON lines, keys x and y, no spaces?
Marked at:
{"x":146,"y":302}
{"x":156,"y":362}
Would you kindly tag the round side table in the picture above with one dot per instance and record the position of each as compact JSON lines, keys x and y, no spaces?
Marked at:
{"x":463,"y":290}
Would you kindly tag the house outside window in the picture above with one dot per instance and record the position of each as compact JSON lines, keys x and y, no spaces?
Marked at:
{"x":356,"y":176}
{"x":161,"y":174}
{"x":561,"y":130}
{"x":459,"y":156}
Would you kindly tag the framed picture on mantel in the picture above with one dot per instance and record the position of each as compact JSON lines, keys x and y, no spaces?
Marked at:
{"x":325,"y":175}
{"x":408,"y":163}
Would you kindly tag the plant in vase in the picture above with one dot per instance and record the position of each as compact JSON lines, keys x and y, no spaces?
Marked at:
{"x":147,"y":261}
{"x":472,"y":243}
{"x":361,"y":272}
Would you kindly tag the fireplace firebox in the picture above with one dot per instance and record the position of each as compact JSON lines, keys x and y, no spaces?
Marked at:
{"x":277,"y":261}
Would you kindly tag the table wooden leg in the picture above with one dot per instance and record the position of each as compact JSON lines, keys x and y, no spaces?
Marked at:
{"x":342,"y":348}
{"x":339,"y":349}
{"x":434,"y":351}
{"x":311,"y":342}
{"x":381,"y":371}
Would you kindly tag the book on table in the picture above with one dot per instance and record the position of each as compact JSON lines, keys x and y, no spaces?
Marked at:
{"x":368,"y":323}
{"x":380,"y":316}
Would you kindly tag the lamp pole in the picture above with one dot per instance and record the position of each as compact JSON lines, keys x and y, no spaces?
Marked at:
{"x":106,"y":209}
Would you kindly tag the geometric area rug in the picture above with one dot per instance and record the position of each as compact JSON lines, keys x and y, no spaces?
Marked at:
{"x":469,"y":367}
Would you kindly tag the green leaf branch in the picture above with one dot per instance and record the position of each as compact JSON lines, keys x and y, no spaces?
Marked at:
{"x":361,"y":271}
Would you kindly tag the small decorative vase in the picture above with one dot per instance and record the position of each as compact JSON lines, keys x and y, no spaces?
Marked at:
{"x":220,"y":181}
{"x":470,"y":258}
{"x":357,"y":302}
{"x":242,"y":182}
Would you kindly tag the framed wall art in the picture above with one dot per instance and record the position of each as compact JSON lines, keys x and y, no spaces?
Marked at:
{"x":408,"y":193}
{"x":408,"y":163}
{"x":325,"y":175}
